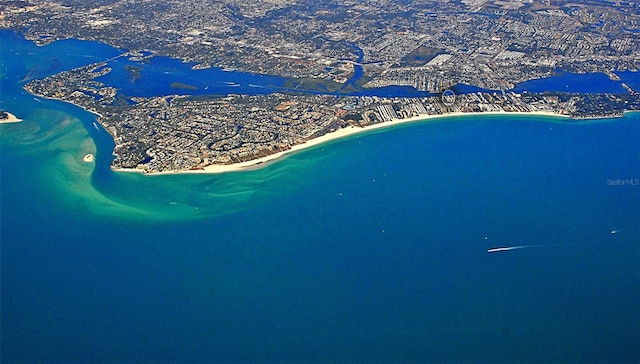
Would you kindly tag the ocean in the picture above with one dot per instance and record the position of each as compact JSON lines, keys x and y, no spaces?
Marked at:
{"x":367,"y":249}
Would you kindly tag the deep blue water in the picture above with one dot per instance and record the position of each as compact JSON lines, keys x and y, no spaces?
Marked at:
{"x":158,"y":73}
{"x":371,"y":249}
{"x":632,"y":79}
{"x":578,"y":83}
{"x":569,"y":82}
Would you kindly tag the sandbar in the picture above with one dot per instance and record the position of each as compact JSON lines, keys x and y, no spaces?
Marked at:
{"x":338,"y":134}
{"x":88,"y":158}
{"x":10,"y":119}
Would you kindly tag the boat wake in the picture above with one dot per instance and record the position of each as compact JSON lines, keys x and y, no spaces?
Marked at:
{"x":509,"y":248}
{"x":514,"y":247}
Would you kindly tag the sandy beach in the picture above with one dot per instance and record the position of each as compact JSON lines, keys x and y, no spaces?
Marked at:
{"x":10,"y":119}
{"x":329,"y":137}
{"x":336,"y":135}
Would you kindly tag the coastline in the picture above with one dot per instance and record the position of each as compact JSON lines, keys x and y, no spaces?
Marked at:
{"x":326,"y":138}
{"x":71,"y":103}
{"x":10,"y":119}
{"x":330,"y":137}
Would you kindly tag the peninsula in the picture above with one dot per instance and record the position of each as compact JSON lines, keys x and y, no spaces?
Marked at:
{"x":179,"y":133}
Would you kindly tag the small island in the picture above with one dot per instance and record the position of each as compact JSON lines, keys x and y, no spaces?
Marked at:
{"x":8,"y":118}
{"x":183,"y":86}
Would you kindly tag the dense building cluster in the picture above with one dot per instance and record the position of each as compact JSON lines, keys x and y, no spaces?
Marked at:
{"x":176,"y":133}
{"x":323,"y":47}
{"x":492,"y":44}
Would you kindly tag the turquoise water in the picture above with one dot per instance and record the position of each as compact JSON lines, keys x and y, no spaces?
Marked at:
{"x":370,"y":249}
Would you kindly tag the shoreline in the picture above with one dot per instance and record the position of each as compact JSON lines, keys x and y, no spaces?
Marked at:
{"x":339,"y":134}
{"x":71,"y":103}
{"x":10,"y":119}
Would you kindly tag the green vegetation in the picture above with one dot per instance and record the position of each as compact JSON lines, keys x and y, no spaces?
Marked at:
{"x":183,"y":86}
